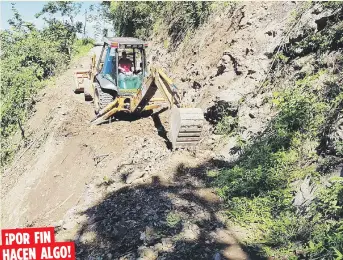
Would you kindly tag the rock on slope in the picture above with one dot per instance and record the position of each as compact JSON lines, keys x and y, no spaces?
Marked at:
{"x":225,"y":65}
{"x":227,"y":60}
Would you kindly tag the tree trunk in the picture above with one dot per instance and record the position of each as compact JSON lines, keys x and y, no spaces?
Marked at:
{"x":21,"y":129}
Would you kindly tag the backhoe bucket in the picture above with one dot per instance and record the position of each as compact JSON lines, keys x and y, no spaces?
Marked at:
{"x":83,"y":84}
{"x":186,"y":126}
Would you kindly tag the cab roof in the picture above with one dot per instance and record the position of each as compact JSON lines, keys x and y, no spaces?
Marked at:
{"x":123,"y":40}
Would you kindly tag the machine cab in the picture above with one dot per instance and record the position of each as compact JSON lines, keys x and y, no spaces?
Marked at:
{"x":123,"y":63}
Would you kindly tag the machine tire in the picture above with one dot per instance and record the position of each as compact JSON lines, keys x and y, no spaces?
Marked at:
{"x":102,"y":98}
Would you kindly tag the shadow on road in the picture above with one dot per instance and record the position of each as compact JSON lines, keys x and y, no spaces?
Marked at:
{"x":160,"y":221}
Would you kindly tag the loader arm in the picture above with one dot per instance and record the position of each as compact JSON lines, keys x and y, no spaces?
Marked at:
{"x":166,"y":86}
{"x":185,"y":124}
{"x":157,"y":80}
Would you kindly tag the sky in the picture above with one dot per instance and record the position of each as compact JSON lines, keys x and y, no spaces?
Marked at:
{"x":28,"y":9}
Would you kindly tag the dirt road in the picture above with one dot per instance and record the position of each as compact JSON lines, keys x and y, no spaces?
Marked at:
{"x":115,"y":189}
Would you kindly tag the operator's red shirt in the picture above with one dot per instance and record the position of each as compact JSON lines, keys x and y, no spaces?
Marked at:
{"x":126,"y":64}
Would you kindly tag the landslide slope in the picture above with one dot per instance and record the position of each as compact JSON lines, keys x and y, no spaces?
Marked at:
{"x":116,"y":189}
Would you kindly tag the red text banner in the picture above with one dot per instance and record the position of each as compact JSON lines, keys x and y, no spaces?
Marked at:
{"x":27,"y":236}
{"x":34,"y":244}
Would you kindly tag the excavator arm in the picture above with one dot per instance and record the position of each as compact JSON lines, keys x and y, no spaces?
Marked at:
{"x":157,"y":80}
{"x":166,"y":87}
{"x":185,"y":123}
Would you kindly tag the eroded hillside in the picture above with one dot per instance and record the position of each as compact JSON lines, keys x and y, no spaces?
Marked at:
{"x":268,"y":76}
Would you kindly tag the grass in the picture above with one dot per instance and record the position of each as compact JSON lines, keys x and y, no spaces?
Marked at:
{"x":173,"y":219}
{"x":81,"y":48}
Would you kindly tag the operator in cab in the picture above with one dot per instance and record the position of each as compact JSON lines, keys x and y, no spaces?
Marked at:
{"x":125,"y":64}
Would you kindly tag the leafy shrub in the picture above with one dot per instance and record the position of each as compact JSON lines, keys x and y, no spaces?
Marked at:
{"x":327,"y":37}
{"x":173,"y":219}
{"x":81,"y":47}
{"x":140,"y":18}
{"x":258,"y":188}
{"x":186,"y":16}
{"x":226,"y":125}
{"x":133,"y":18}
{"x":29,"y":57}
{"x":330,"y":200}
{"x":326,"y":238}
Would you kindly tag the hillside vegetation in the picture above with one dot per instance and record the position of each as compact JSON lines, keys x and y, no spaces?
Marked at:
{"x":30,"y":58}
{"x":300,"y":145}
{"x":141,"y":19}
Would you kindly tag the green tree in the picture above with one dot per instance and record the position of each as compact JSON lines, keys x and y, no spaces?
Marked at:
{"x":28,"y":58}
{"x":133,"y":18}
{"x":98,"y":15}
{"x":137,"y":19}
{"x":64,"y":30}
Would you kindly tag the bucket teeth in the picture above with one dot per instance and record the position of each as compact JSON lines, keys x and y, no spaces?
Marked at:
{"x":186,"y":126}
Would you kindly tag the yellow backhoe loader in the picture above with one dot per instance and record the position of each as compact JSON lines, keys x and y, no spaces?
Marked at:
{"x":119,"y":82}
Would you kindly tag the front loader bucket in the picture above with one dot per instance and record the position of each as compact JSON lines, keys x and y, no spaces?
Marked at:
{"x":186,"y":126}
{"x":83,"y":84}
